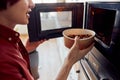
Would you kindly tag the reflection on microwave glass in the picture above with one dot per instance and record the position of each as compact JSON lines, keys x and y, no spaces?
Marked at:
{"x":55,"y":20}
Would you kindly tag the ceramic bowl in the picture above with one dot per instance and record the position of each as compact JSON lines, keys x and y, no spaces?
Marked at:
{"x":86,"y":37}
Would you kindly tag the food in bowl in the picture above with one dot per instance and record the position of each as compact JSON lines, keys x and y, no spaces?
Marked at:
{"x":81,"y":36}
{"x":86,"y":37}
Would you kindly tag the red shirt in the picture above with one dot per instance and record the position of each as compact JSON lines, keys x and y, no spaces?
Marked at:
{"x":14,"y":59}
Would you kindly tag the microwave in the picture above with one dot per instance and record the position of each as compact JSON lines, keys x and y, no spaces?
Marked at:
{"x":104,"y":19}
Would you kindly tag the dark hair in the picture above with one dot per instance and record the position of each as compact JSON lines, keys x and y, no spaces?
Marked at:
{"x":3,"y":3}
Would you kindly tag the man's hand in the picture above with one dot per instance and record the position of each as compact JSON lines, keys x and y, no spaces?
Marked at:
{"x":31,"y":46}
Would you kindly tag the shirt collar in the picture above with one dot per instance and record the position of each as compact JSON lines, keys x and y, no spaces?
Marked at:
{"x":9,"y":34}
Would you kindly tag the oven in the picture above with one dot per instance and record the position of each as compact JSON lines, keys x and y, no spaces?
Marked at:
{"x":94,"y":66}
{"x":102,"y":62}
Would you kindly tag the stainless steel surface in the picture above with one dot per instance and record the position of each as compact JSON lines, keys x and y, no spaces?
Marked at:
{"x":99,"y":64}
{"x":91,"y":75}
{"x":82,"y":75}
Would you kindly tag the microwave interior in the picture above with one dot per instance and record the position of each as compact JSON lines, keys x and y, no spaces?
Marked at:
{"x":48,"y":20}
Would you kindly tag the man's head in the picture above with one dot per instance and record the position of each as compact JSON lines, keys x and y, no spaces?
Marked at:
{"x":4,"y":3}
{"x":15,"y":11}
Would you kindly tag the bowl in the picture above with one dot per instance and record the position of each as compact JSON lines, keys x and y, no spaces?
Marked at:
{"x":86,"y":37}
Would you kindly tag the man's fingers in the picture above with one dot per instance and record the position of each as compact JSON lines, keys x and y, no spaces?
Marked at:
{"x":88,"y":49}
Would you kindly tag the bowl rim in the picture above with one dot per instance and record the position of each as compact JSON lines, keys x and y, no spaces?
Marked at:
{"x":79,"y":29}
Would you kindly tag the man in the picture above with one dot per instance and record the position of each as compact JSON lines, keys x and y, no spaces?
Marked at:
{"x":14,"y":57}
